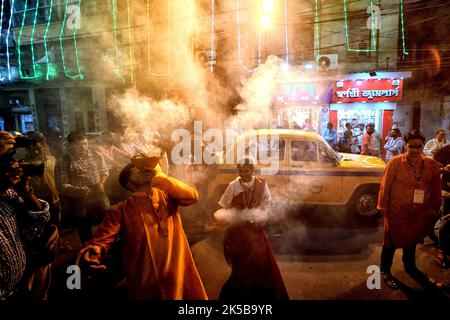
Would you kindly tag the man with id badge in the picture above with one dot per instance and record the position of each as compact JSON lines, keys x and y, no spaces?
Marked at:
{"x":409,"y":198}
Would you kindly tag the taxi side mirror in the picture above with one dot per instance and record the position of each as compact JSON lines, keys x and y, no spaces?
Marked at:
{"x":328,"y":159}
{"x":331,"y":160}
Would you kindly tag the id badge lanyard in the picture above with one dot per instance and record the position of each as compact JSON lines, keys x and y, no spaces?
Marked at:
{"x":419,"y":193}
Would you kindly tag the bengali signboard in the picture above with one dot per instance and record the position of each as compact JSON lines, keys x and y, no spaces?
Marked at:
{"x":371,"y":90}
{"x":302,"y":92}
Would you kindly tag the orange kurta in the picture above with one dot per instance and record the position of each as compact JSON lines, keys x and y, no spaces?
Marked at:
{"x":159,"y":263}
{"x":406,"y":223}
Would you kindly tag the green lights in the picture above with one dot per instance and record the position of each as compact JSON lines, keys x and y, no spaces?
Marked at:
{"x":76,"y":71}
{"x":402,"y":17}
{"x":19,"y":40}
{"x":79,"y":75}
{"x":48,"y":73}
{"x":52,"y":71}
{"x":374,"y":40}
{"x":7,"y":39}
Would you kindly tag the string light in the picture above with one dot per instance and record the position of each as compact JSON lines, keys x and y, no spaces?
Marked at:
{"x":7,"y":39}
{"x":347,"y":35}
{"x":374,"y":39}
{"x":286,"y":38}
{"x":346,"y":31}
{"x":19,"y":40}
{"x":131,"y":42}
{"x":1,"y":20}
{"x":117,"y":69}
{"x":169,"y":51}
{"x":75,"y":45}
{"x":239,"y":42}
{"x":211,"y":62}
{"x":403,"y":28}
{"x":316,"y":22}
{"x":47,"y":76}
{"x":79,"y":75}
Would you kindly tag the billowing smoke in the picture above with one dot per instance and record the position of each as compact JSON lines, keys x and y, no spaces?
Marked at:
{"x":146,"y":118}
{"x":174,"y":89}
{"x":256,"y":93}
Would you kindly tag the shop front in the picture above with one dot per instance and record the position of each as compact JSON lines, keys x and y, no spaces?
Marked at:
{"x":358,"y":99}
{"x":301,"y":105}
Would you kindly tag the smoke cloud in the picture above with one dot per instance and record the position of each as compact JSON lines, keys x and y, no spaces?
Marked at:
{"x":175,"y":89}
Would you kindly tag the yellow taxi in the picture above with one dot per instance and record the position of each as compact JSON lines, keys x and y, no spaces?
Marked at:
{"x":302,"y":168}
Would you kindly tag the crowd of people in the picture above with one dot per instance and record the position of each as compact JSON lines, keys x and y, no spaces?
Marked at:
{"x":42,"y":185}
{"x":369,"y":142}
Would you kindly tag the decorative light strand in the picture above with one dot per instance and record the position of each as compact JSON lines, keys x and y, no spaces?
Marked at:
{"x":117,"y":69}
{"x":169,"y":50}
{"x":79,"y":75}
{"x":7,"y":39}
{"x":19,"y":41}
{"x":211,"y":62}
{"x":131,"y":42}
{"x":239,"y":42}
{"x":316,"y":25}
{"x":286,"y":37}
{"x":403,"y":27}
{"x":347,"y":35}
{"x":47,"y":76}
{"x":374,"y":31}
{"x":1,"y":20}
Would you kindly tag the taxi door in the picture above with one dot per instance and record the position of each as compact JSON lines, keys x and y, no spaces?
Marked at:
{"x":272,"y":165}
{"x":314,"y":175}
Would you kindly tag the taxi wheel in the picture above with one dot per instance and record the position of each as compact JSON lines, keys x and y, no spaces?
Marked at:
{"x":364,"y":203}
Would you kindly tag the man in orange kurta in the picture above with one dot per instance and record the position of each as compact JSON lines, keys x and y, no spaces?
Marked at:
{"x":409,"y":198}
{"x":159,"y":264}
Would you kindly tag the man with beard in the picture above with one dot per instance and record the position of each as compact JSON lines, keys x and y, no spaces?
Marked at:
{"x":159,"y":263}
{"x":82,"y":176}
{"x":371,"y":141}
{"x":44,"y":186}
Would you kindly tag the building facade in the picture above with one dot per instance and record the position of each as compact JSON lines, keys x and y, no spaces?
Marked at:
{"x":62,"y":61}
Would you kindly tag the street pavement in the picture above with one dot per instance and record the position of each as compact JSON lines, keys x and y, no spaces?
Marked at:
{"x":318,"y":261}
{"x":323,"y":264}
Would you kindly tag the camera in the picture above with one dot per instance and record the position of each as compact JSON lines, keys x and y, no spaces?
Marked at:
{"x":31,"y":169}
{"x":24,"y":142}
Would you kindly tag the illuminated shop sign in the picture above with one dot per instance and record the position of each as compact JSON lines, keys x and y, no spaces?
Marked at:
{"x":373,"y":90}
{"x":298,"y":93}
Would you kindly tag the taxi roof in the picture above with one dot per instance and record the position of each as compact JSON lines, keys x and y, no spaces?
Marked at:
{"x":284,"y":132}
